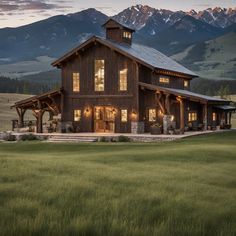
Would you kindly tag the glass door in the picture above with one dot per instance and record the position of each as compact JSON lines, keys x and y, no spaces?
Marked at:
{"x":104,"y":119}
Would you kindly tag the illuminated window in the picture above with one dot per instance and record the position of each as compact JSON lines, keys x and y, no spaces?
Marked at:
{"x":123,"y":80}
{"x":192,"y":116}
{"x":186,"y":83}
{"x":77,"y":115}
{"x":127,"y":35}
{"x":214,"y":116}
{"x":76,"y":82}
{"x":99,"y":75}
{"x":164,"y":80}
{"x":152,"y":115}
{"x":124,"y":115}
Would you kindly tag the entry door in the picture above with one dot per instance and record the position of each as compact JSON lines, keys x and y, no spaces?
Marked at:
{"x":104,"y":119}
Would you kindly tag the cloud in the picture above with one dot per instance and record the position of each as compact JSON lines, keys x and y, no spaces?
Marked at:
{"x":24,"y":5}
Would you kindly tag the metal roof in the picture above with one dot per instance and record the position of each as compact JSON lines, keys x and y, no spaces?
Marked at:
{"x":151,"y":56}
{"x":141,"y":53}
{"x":226,"y":107}
{"x":184,"y":93}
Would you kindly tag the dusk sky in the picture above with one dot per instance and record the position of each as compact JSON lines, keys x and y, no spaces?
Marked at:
{"x":20,"y":12}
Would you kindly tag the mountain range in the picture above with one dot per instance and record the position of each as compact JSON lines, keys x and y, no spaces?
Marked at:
{"x":171,"y":32}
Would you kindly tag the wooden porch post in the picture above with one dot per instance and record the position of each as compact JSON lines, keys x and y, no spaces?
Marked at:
{"x":21,"y":113}
{"x":182,"y":125}
{"x":205,"y":116}
{"x":167,"y":104}
{"x":230,"y":114}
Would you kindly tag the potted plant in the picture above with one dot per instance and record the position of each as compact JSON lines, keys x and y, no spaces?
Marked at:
{"x":156,"y":128}
{"x":171,"y":130}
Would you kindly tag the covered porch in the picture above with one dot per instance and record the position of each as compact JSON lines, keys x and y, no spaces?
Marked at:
{"x":183,"y":110}
{"x":51,"y":102}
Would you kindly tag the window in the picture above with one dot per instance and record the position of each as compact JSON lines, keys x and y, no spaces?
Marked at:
{"x":186,"y":83}
{"x":192,"y":116}
{"x":77,"y":115}
{"x":76,"y":82}
{"x":127,"y":35}
{"x":164,"y":80}
{"x":124,"y":115}
{"x":214,"y":116}
{"x":152,"y":115}
{"x":99,"y":75}
{"x":123,"y":80}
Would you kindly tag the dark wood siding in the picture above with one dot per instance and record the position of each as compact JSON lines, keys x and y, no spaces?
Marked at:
{"x":111,"y":96}
{"x":151,"y":77}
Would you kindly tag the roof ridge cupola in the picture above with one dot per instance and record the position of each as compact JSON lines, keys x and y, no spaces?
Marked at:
{"x":118,"y":32}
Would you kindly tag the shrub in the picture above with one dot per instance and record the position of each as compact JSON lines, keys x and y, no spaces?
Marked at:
{"x":103,"y":139}
{"x":9,"y":137}
{"x":28,"y":137}
{"x":123,"y":139}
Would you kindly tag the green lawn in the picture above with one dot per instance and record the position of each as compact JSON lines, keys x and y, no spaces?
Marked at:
{"x":186,"y":187}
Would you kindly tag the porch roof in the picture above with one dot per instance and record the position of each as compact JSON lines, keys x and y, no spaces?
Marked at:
{"x":29,"y":102}
{"x":226,"y":108}
{"x":184,"y":93}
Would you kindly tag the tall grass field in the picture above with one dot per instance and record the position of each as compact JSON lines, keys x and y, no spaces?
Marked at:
{"x":185,"y":187}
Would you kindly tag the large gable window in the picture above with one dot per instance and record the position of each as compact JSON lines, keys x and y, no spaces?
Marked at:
{"x":99,"y":76}
{"x":76,"y":82}
{"x":164,"y":79}
{"x":123,"y":80}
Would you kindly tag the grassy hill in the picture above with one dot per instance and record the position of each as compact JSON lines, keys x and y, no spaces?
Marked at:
{"x":185,"y":187}
{"x":6,"y":113}
{"x":214,"y":59}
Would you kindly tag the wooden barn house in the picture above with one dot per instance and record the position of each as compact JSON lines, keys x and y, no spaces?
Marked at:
{"x":110,"y":84}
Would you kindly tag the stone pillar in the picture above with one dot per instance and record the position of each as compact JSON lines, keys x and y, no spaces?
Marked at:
{"x":167,"y":123}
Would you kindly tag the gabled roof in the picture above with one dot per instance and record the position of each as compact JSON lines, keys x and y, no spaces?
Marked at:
{"x":184,"y":93}
{"x":122,"y":25}
{"x":33,"y":99}
{"x":147,"y":56}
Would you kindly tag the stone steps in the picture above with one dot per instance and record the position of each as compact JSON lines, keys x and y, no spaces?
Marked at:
{"x":71,"y":139}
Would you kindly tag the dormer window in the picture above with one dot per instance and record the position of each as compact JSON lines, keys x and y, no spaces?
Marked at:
{"x":164,"y":79}
{"x":127,"y":35}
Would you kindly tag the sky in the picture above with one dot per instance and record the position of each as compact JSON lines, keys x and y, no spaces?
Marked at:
{"x":15,"y":13}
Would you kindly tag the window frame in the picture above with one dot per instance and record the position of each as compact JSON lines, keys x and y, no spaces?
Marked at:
{"x":214,"y":116}
{"x":186,"y":81}
{"x":164,"y":79}
{"x":95,"y":75}
{"x":126,"y":34}
{"x":153,"y":109}
{"x":121,"y":118}
{"x":192,"y":116}
{"x":73,"y":73}
{"x":123,"y":90}
{"x":74,"y":115}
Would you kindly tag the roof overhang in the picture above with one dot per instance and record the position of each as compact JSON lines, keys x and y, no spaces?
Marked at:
{"x":226,"y":108}
{"x":184,"y":94}
{"x":95,"y":39}
{"x":29,"y":102}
